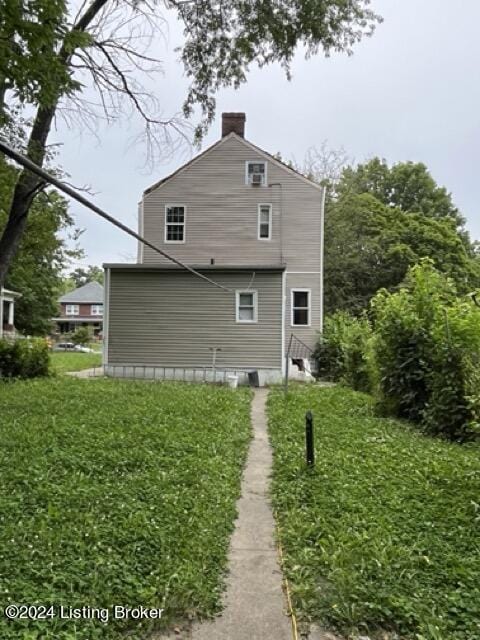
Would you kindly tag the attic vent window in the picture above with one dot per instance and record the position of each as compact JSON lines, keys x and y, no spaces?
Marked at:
{"x":175,"y":223}
{"x":256,"y":174}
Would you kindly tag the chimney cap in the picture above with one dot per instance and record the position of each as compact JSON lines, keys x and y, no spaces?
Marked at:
{"x":233,"y":122}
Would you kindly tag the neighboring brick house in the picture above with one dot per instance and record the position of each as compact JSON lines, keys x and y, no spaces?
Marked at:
{"x":82,"y":307}
{"x":245,"y":220}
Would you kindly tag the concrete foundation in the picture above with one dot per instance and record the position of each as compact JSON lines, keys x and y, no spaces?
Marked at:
{"x":205,"y":374}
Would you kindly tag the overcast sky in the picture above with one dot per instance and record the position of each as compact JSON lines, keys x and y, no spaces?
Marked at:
{"x":411,"y":92}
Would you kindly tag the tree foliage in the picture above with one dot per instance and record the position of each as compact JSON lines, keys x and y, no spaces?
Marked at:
{"x":222,"y":39}
{"x":30,"y":36}
{"x":381,"y":220}
{"x":407,"y":186}
{"x":82,"y":275}
{"x":369,"y":246}
{"x":36,"y":272}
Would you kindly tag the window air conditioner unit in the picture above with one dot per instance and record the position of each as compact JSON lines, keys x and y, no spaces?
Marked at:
{"x":257,"y":179}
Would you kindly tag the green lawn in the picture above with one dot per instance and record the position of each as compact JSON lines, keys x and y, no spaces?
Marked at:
{"x":384,"y":533}
{"x":116,"y":493}
{"x":62,"y":362}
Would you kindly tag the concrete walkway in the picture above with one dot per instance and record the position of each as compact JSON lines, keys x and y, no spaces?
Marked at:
{"x":255,"y":607}
{"x":86,"y":373}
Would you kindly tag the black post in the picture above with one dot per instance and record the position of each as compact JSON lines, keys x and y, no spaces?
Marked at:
{"x":310,"y":449}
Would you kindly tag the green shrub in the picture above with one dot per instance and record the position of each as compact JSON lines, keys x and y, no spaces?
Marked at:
{"x":24,"y":358}
{"x":82,"y":335}
{"x":343,"y":348}
{"x":453,"y":408}
{"x":426,"y":349}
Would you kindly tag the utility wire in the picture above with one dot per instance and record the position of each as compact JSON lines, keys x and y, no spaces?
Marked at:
{"x":34,"y":168}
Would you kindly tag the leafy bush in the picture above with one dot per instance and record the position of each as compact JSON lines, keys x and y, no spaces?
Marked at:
{"x":82,"y":335}
{"x":343,"y":348}
{"x":454,"y":380}
{"x":24,"y":358}
{"x":426,"y":350}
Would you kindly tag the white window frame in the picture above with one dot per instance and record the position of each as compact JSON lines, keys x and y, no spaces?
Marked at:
{"x":238,"y":292}
{"x":169,"y":206}
{"x":69,"y":312}
{"x":259,"y":210}
{"x":94,"y":309}
{"x":309,"y":308}
{"x":265,"y":176}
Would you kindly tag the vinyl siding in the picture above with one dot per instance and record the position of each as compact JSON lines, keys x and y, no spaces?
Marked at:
{"x":222,"y":218}
{"x":172,"y":318}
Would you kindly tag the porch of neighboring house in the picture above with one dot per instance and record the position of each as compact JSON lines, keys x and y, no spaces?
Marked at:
{"x":7,"y":312}
{"x":67,"y":325}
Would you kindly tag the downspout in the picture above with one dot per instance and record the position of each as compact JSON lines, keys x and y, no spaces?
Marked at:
{"x":322,"y":227}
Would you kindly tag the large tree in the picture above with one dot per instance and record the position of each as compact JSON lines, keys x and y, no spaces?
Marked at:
{"x":105,"y":46}
{"x":82,"y":275}
{"x":370,"y":245}
{"x":407,"y":186}
{"x":36,"y":271}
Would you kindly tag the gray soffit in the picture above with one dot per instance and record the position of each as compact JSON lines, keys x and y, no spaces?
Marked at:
{"x":90,"y":293}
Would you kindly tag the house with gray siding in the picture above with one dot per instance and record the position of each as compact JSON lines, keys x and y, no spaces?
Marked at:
{"x":253,"y":226}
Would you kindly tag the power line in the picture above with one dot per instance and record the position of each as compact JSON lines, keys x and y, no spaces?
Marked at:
{"x":34,"y":168}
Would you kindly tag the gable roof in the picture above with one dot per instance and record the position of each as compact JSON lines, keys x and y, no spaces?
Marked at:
{"x":248,"y":144}
{"x":90,"y":293}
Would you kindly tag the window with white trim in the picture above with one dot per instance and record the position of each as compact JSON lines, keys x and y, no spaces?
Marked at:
{"x":72,"y":309}
{"x":175,"y":223}
{"x":301,"y":307}
{"x":264,"y":221}
{"x":246,"y":306}
{"x":256,"y":173}
{"x":96,"y":309}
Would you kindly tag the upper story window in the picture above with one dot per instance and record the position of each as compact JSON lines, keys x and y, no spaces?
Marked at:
{"x":264,"y":221}
{"x":246,"y":306}
{"x":175,"y":215}
{"x":96,"y":309}
{"x":301,"y":307}
{"x":72,"y":309}
{"x":256,"y":173}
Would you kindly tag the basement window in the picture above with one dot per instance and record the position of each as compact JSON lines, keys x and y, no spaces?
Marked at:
{"x":72,"y":309}
{"x":264,"y":221}
{"x":246,"y":306}
{"x":301,"y":307}
{"x":175,"y":215}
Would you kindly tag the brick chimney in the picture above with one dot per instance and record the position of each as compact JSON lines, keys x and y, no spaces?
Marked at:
{"x":233,"y":122}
